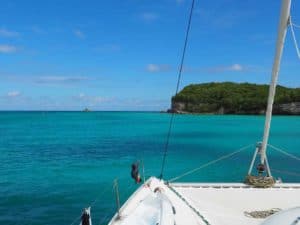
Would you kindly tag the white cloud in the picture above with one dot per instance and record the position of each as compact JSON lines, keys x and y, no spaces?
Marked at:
{"x":180,"y":1}
{"x":81,"y":95}
{"x":232,"y":68}
{"x":155,"y":68}
{"x":8,"y":33}
{"x":149,"y":16}
{"x":60,"y":79}
{"x":214,"y":18}
{"x":235,"y":67}
{"x":37,"y":30}
{"x":91,"y":101}
{"x":13,"y":94}
{"x":79,"y":34}
{"x":221,"y":69}
{"x":5,"y":49}
{"x":108,"y":48}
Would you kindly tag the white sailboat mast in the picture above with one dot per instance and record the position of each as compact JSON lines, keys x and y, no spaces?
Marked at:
{"x":283,"y":24}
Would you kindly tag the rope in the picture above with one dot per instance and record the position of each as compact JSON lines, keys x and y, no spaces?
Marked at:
{"x":128,"y":189}
{"x":284,"y":152}
{"x":93,"y":203}
{"x":260,"y":181}
{"x":210,"y":163}
{"x":287,"y":172}
{"x":190,"y":206}
{"x":75,"y":220}
{"x":105,"y":218}
{"x":294,"y":37}
{"x":99,"y":196}
{"x":296,"y":25}
{"x":261,"y":214}
{"x":177,"y":88}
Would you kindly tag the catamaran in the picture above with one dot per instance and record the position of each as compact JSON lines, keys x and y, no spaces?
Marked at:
{"x":260,"y":200}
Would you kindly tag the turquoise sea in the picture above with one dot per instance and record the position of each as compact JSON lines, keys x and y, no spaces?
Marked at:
{"x":53,"y":164}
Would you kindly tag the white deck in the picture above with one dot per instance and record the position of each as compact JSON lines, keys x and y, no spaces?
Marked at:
{"x":225,"y":204}
{"x":214,"y":204}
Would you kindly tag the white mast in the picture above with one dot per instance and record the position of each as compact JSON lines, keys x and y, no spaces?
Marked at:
{"x":283,"y":24}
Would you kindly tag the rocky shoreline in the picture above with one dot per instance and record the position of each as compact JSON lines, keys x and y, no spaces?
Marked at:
{"x":234,"y":98}
{"x":292,"y":108}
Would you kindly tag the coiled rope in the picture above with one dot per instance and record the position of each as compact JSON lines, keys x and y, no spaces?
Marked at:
{"x":261,"y":214}
{"x":211,"y":162}
{"x":177,"y":88}
{"x":264,"y":181}
{"x":260,"y":181}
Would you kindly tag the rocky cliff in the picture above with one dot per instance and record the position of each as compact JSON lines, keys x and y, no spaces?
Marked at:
{"x":235,"y":98}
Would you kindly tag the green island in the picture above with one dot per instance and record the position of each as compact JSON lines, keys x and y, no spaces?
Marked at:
{"x":234,"y":98}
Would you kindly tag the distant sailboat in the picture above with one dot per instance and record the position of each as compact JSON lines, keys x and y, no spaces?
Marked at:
{"x":86,"y":110}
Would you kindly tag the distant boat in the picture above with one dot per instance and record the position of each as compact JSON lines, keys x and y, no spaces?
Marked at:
{"x":86,"y":110}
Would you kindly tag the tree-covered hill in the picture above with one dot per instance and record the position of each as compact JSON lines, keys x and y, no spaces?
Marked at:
{"x":234,"y":98}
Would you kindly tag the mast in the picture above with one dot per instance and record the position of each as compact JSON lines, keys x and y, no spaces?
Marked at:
{"x":282,"y":29}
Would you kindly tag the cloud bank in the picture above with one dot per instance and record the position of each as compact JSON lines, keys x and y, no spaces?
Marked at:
{"x":7,"y":49}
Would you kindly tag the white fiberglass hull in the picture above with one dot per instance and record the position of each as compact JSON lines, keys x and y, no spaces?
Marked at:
{"x":198,"y":203}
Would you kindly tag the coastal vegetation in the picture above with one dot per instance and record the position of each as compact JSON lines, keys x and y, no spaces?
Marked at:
{"x":234,"y":98}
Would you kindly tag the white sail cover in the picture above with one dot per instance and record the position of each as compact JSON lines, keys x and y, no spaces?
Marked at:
{"x":288,"y":217}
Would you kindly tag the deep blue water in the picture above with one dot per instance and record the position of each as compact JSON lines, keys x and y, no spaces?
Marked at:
{"x":53,"y":164}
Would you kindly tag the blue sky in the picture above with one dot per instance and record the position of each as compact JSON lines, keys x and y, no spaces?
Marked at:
{"x":124,"y":55}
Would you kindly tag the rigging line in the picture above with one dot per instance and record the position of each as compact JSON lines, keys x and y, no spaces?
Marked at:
{"x":287,"y":172}
{"x":294,"y":37}
{"x":100,"y":195}
{"x":128,"y":189}
{"x":105,"y":217}
{"x":93,"y":203}
{"x":210,"y":163}
{"x":76,"y":219}
{"x":284,"y":152}
{"x":296,"y":25}
{"x":177,"y":87}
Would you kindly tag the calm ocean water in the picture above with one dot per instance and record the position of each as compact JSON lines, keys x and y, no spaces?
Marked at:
{"x":53,"y":164}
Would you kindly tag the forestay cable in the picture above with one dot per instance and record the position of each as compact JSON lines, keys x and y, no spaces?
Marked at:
{"x":294,"y":37}
{"x":177,"y":88}
{"x":290,"y":173}
{"x":210,"y":163}
{"x":284,"y":152}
